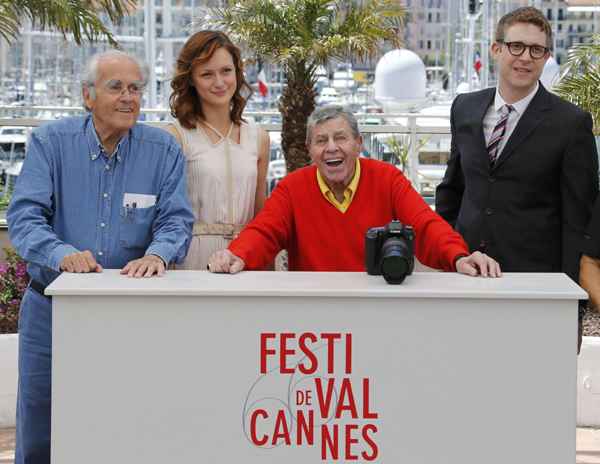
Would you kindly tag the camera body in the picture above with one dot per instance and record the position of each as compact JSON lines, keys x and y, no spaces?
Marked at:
{"x":390,"y":251}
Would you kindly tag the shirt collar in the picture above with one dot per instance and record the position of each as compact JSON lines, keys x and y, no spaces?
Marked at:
{"x":96,"y":147}
{"x":350,"y":190}
{"x":519,"y":106}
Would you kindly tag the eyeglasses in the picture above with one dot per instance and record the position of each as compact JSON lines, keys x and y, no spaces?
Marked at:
{"x":134,"y":90}
{"x":537,"y":52}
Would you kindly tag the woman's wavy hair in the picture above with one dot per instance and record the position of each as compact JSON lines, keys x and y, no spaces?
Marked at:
{"x":185,"y":104}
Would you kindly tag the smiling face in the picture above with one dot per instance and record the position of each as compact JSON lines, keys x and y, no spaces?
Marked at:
{"x":518,"y":75}
{"x":215,"y":80}
{"x":334,"y":150}
{"x":114,"y":114}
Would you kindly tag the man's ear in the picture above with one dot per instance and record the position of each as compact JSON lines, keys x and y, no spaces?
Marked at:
{"x":360,"y":142}
{"x":495,"y":50}
{"x":308,"y":148}
{"x":87,"y":98}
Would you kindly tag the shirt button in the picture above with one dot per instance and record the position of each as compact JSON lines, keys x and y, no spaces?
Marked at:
{"x":99,"y":253}
{"x":488,"y":211}
{"x":492,"y":179}
{"x":342,"y":209}
{"x":482,"y":244}
{"x":107,"y":166}
{"x":105,"y":195}
{"x":102,"y":224}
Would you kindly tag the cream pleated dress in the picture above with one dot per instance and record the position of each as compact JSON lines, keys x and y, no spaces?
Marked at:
{"x":207,"y":184}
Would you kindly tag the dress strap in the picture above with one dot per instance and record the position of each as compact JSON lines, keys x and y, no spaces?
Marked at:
{"x":179,"y":130}
{"x":210,"y":126}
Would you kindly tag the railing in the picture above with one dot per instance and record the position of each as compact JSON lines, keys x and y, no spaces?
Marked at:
{"x":413,"y":128}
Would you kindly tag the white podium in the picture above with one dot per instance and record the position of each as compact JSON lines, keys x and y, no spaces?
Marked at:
{"x":276,"y":367}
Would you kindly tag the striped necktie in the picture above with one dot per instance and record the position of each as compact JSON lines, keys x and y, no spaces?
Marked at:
{"x":498,"y":135}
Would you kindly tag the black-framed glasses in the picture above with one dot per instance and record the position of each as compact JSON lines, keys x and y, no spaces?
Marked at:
{"x":134,"y":90}
{"x":537,"y":52}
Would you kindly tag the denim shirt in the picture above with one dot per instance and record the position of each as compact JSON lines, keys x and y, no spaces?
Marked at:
{"x":71,"y":196}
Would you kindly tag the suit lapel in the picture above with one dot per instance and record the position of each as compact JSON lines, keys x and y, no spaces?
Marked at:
{"x":535,"y":113}
{"x":477,"y":121}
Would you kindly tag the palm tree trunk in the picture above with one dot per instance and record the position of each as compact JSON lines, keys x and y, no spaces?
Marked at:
{"x":297,"y":104}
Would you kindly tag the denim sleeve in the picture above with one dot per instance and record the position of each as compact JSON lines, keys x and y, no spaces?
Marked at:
{"x":172,"y":229}
{"x":30,"y":210}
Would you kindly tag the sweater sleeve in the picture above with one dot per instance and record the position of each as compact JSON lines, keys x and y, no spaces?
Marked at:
{"x":268,"y":234}
{"x":437,"y":245}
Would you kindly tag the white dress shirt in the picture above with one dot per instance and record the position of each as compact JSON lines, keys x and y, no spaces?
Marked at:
{"x":494,"y":113}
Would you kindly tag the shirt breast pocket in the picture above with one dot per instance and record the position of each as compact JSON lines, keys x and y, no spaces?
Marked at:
{"x":136,"y":227}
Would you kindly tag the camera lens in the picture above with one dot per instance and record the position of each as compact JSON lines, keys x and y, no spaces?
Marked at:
{"x":394,"y":264}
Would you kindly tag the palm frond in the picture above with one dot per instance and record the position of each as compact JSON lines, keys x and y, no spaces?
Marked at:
{"x":583,"y":90}
{"x":79,"y":18}
{"x":578,"y":79}
{"x":9,"y":21}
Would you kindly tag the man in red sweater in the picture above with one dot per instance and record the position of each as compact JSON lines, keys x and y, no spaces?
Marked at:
{"x":320,"y":213}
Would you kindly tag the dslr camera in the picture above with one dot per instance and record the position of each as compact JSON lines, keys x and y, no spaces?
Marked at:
{"x":390,"y":251}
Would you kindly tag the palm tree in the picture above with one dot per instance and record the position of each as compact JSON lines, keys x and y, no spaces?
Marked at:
{"x":579,"y":78}
{"x":77,"y":17}
{"x":300,"y":35}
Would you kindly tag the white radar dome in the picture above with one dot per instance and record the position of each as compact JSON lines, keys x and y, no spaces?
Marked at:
{"x":400,"y":79}
{"x":550,"y":69}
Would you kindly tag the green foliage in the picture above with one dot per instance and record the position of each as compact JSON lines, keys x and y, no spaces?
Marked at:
{"x":291,"y":32}
{"x":77,"y":17}
{"x":401,"y":149}
{"x":13,"y":282}
{"x":579,"y":78}
{"x":5,"y":196}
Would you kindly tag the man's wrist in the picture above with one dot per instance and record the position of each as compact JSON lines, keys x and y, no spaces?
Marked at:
{"x":457,"y":258}
{"x":159,"y":257}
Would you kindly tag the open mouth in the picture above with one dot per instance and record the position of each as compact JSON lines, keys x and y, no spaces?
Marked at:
{"x":334,"y":162}
{"x":125,"y":111}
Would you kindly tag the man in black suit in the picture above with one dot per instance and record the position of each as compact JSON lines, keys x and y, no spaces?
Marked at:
{"x":524,"y":199}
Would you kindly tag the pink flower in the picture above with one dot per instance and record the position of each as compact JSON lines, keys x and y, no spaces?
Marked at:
{"x":15,"y":302}
{"x":20,"y":272}
{"x":4,"y":268}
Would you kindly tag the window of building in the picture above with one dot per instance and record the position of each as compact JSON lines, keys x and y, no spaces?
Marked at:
{"x":560,"y":43}
{"x":428,"y":17}
{"x":420,"y":44}
{"x":560,"y":14}
{"x":559,"y":27}
{"x":438,"y":18}
{"x":429,"y":45}
{"x":549,"y":15}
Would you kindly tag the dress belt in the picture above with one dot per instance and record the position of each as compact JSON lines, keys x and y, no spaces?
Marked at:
{"x":39,"y":288}
{"x":226,"y":230}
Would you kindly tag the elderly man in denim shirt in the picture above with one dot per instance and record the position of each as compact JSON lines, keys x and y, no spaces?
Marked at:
{"x":95,"y":192}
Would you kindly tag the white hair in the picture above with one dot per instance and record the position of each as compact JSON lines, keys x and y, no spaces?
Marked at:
{"x":89,"y":76}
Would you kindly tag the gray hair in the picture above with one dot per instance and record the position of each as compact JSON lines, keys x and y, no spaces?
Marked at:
{"x":89,"y":76}
{"x":326,"y":112}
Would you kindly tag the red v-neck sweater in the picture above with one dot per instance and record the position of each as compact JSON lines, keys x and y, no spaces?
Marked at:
{"x":319,"y":237}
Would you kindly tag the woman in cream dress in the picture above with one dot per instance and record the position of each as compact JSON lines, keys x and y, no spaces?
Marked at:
{"x":227,"y":158}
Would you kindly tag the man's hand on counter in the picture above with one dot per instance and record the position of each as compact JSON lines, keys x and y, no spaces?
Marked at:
{"x":80,"y":262}
{"x":478,"y":263}
{"x":145,"y":267}
{"x":225,"y":261}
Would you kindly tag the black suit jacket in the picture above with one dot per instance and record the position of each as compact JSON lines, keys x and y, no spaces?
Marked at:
{"x":531,"y":210}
